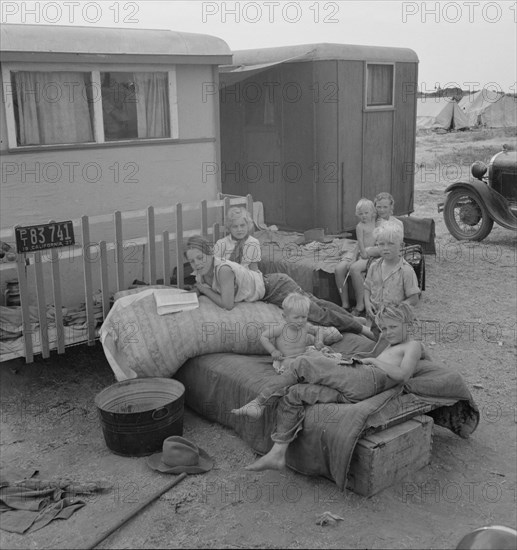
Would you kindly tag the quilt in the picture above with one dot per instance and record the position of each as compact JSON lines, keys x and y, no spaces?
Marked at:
{"x":217,"y":383}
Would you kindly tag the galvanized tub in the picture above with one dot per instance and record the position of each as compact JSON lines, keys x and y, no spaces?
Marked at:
{"x":137,"y":415}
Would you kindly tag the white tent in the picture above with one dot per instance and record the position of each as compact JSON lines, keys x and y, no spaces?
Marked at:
{"x":490,"y":109}
{"x":440,"y":112}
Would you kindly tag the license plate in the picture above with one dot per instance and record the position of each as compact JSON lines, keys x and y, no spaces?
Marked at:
{"x":43,"y":236}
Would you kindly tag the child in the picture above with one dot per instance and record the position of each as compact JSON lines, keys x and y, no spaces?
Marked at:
{"x":367,"y":377}
{"x":365,"y":211}
{"x":239,"y":246}
{"x":289,"y":340}
{"x":390,"y":278}
{"x":384,"y":204}
{"x":285,"y":342}
{"x":393,"y":366}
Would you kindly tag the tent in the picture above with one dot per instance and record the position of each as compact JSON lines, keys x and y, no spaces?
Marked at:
{"x":440,"y":112}
{"x":490,"y":109}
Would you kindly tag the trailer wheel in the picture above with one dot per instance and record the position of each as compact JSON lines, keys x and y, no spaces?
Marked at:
{"x":466,"y":217}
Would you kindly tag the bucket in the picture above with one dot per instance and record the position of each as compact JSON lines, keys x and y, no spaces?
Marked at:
{"x":137,"y":415}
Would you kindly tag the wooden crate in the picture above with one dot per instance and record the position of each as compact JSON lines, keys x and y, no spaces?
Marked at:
{"x":384,"y":458}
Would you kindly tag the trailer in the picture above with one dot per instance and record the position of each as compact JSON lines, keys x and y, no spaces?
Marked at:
{"x":310,"y":129}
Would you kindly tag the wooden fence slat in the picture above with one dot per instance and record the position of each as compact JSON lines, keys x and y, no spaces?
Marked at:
{"x":151,"y":245}
{"x":42,"y":305}
{"x":226,"y":206}
{"x":221,"y":205}
{"x":104,"y":279}
{"x":204,"y":219}
{"x":215,"y":232}
{"x":24,"y":303}
{"x":119,"y":249}
{"x":179,"y":245}
{"x":249,"y":204}
{"x":166,"y":259}
{"x":88,"y":290}
{"x":58,"y":303}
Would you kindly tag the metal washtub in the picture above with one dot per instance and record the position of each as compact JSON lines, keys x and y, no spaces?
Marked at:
{"x":137,"y":415}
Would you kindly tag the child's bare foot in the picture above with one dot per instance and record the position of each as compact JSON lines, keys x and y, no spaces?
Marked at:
{"x":274,"y":460}
{"x":253,"y":409}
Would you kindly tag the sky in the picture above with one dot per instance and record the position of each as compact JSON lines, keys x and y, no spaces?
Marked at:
{"x":471,"y":44}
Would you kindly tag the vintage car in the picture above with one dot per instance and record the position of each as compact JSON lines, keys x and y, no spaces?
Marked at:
{"x":471,"y":208}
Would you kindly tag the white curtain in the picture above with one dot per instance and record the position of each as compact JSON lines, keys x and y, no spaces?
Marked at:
{"x":52,"y":108}
{"x":152,"y":105}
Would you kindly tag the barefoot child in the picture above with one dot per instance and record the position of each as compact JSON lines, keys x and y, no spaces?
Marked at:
{"x":326,"y":383}
{"x":286,"y":341}
{"x":365,"y":211}
{"x":289,"y":340}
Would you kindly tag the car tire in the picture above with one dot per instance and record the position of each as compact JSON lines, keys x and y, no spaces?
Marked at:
{"x":466,"y":217}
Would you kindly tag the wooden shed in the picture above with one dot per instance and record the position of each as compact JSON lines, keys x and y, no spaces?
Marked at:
{"x":310,"y":129}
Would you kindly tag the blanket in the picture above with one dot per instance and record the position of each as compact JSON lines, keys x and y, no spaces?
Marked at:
{"x":217,"y":383}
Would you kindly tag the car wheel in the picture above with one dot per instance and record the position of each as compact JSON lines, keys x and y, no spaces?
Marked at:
{"x":466,"y":217}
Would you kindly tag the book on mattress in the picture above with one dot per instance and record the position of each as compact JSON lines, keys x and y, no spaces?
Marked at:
{"x":172,"y":301}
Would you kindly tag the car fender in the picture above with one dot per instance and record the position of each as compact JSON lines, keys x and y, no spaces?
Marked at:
{"x":498,"y":207}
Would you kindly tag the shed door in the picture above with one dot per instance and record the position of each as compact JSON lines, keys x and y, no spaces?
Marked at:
{"x":263,"y":171}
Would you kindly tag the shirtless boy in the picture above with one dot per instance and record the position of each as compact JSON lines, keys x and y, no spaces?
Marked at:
{"x":392,"y":367}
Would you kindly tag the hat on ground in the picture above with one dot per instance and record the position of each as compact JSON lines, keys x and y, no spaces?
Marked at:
{"x":180,"y":455}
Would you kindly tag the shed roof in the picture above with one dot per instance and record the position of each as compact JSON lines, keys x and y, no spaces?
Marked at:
{"x":103,"y":44}
{"x":319,"y":52}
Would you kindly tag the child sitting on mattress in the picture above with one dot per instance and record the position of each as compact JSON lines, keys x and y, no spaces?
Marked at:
{"x":367,"y":377}
{"x":288,"y":340}
{"x":329,"y":383}
{"x":365,"y":211}
{"x":239,"y":246}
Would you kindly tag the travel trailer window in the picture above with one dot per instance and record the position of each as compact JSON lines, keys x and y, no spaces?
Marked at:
{"x":379,"y":85}
{"x":63,"y":107}
{"x":52,"y":107}
{"x":135,"y":105}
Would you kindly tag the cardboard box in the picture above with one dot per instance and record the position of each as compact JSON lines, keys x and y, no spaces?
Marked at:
{"x":384,"y":458}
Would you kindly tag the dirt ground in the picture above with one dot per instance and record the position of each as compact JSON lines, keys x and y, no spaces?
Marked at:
{"x":49,"y":423}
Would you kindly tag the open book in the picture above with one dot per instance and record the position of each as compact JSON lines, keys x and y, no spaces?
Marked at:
{"x":174,"y":301}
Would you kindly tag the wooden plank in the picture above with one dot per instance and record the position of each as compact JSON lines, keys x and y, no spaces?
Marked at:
{"x":151,"y":245}
{"x":225,"y":213}
{"x":104,"y":279}
{"x":42,"y":305}
{"x":58,"y":303}
{"x":215,"y":232}
{"x":249,"y":204}
{"x":166,"y":259}
{"x":179,"y":245}
{"x":88,"y":289}
{"x":204,"y":219}
{"x":24,"y":303}
{"x":119,"y":250}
